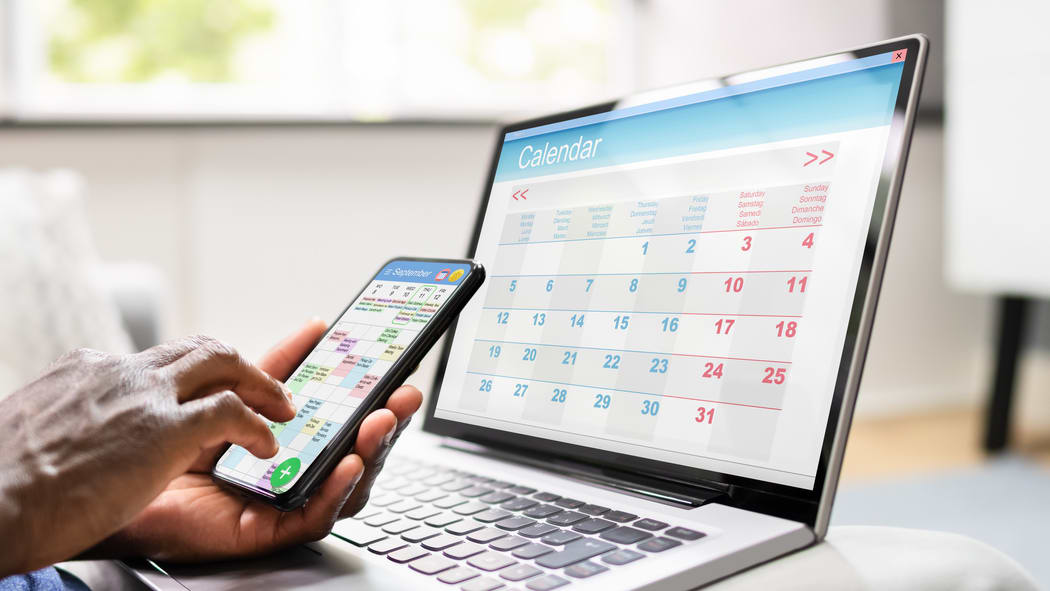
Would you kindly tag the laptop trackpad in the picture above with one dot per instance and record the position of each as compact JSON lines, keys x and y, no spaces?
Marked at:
{"x":323,"y":565}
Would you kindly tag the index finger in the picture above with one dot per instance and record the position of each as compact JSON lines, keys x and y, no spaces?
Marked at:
{"x":214,"y":367}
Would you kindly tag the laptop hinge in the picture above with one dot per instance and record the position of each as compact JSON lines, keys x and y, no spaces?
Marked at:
{"x":642,"y":485}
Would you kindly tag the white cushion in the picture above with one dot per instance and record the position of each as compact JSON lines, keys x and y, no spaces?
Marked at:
{"x":53,"y":299}
{"x":887,"y":559}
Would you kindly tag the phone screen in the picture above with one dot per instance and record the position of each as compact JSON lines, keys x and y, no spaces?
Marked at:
{"x":352,"y":357}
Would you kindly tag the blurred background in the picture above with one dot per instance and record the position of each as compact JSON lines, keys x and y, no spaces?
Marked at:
{"x":232,"y":168}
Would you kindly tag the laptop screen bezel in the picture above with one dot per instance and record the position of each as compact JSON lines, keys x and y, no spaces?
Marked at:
{"x":766,"y":497}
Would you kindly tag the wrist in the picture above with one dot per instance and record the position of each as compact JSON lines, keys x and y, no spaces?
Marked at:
{"x":14,"y":558}
{"x":119,"y":545}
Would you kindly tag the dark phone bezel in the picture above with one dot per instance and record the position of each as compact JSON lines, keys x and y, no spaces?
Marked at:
{"x":342,"y":442}
{"x":785,"y":501}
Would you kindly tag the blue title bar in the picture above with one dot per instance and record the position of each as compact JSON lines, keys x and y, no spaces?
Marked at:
{"x":860,"y":96}
{"x":424,"y":272}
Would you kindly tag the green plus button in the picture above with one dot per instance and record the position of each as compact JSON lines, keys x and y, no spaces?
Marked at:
{"x":284,"y":472}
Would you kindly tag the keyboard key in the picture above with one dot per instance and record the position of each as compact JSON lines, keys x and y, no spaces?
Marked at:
{"x":519,"y":504}
{"x":463,"y":528}
{"x":622,"y":556}
{"x":441,"y":542}
{"x":515,"y":523}
{"x":464,"y":550}
{"x":590,"y":509}
{"x":484,"y":584}
{"x":584,"y":569}
{"x":542,"y":511}
{"x":545,"y":497}
{"x":404,"y":506}
{"x":456,"y":485}
{"x":422,"y":513}
{"x":496,"y":497}
{"x":537,"y":530}
{"x":357,"y":533}
{"x":486,"y":535}
{"x":412,"y":490}
{"x":432,"y":565}
{"x":658,"y":544}
{"x":381,"y":519}
{"x":508,"y":543}
{"x":620,"y":516}
{"x":625,"y":535}
{"x":438,"y":479}
{"x":406,"y":554}
{"x":393,"y":483}
{"x":420,"y":533}
{"x":578,"y":551}
{"x":593,"y":526}
{"x":649,"y":524}
{"x":443,"y":520}
{"x":388,"y":545}
{"x":457,"y":575}
{"x":400,"y":527}
{"x":431,"y":496}
{"x":566,"y":518}
{"x":568,"y":503}
{"x":497,"y":484}
{"x":546,"y":583}
{"x":492,"y":515}
{"x":470,"y":508}
{"x":491,"y":561}
{"x":530,"y":551}
{"x":521,"y":490}
{"x":449,"y":503}
{"x":420,"y":474}
{"x":560,"y":537}
{"x":365,"y":513}
{"x":475,"y":491}
{"x":384,"y":501}
{"x":519,"y":572}
{"x":684,"y":534}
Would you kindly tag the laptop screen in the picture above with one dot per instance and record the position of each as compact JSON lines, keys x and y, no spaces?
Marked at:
{"x":672,"y":278}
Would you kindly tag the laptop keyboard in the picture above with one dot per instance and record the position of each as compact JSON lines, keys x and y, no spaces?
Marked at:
{"x":480,"y":534}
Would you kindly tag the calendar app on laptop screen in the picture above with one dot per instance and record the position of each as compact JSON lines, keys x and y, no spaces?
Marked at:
{"x":673,"y":279}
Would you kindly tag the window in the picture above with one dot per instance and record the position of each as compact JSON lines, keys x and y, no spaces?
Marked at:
{"x":303,"y":59}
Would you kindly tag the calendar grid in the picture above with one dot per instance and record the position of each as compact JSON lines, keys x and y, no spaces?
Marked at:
{"x":559,"y":346}
{"x":740,"y":272}
{"x":627,"y":311}
{"x":612,"y":440}
{"x":752,"y":229}
{"x":625,"y":391}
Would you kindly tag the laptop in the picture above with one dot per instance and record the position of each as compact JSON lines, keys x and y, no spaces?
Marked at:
{"x":654,"y":387}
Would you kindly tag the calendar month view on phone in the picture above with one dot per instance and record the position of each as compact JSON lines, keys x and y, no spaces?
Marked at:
{"x":673,"y":279}
{"x":344,"y":368}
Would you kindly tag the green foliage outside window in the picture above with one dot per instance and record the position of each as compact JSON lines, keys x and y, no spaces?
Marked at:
{"x":115,"y":41}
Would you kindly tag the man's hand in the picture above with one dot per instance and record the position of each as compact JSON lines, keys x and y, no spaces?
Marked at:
{"x":90,"y":443}
{"x":194,"y":519}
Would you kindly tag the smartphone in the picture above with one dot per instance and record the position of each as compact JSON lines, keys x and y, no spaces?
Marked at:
{"x":366,"y":354}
